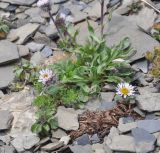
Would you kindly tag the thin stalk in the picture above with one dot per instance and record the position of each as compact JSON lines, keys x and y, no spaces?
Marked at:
{"x":59,"y":32}
{"x":102,"y":17}
{"x":151,"y":6}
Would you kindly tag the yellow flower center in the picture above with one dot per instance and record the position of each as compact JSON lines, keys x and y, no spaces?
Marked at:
{"x":45,"y":76}
{"x":124,"y":90}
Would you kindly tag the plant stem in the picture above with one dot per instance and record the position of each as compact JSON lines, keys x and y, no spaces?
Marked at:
{"x":102,"y":17}
{"x":59,"y":32}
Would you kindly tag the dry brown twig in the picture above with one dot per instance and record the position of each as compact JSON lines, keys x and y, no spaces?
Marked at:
{"x":100,"y":122}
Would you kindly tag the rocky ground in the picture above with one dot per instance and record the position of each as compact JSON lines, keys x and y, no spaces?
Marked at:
{"x":33,"y":36}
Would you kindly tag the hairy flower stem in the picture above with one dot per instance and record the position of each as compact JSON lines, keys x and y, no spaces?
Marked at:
{"x":102,"y":18}
{"x":59,"y":32}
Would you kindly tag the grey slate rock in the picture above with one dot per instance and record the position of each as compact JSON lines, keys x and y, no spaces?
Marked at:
{"x":82,"y":140}
{"x":8,"y":52}
{"x":7,"y":149}
{"x":30,"y":141}
{"x":120,"y":27}
{"x":107,"y":96}
{"x":46,"y":52}
{"x":23,"y":33}
{"x":34,"y":47}
{"x":65,"y":11}
{"x":18,"y":143}
{"x":122,"y":143}
{"x":94,"y":139}
{"x":144,"y":141}
{"x":4,"y":5}
{"x":128,"y":120}
{"x":59,"y":1}
{"x":23,"y":50}
{"x":97,"y":104}
{"x":34,"y":13}
{"x":50,"y":30}
{"x":147,"y":100}
{"x":52,"y":146}
{"x":81,"y":149}
{"x":37,"y":59}
{"x":58,"y":134}
{"x":113,"y":3}
{"x":5,"y":138}
{"x":67,"y":118}
{"x":145,"y":18}
{"x":43,"y":39}
{"x":126,"y":126}
{"x":93,"y":104}
{"x":158,"y":139}
{"x":6,"y":76}
{"x":142,"y":65}
{"x":151,"y":126}
{"x":20,"y":2}
{"x":106,"y":105}
{"x":5,"y":119}
{"x":11,"y":8}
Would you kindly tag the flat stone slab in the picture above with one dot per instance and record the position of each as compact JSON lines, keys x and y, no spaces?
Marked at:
{"x":20,"y":104}
{"x":151,"y":126}
{"x":147,"y":100}
{"x":67,"y":118}
{"x":8,"y":52}
{"x":52,"y":146}
{"x":120,"y":27}
{"x":122,"y":143}
{"x":23,"y":33}
{"x":81,"y":149}
{"x":82,"y":140}
{"x":20,"y":2}
{"x":144,"y":141}
{"x":126,"y":127}
{"x":30,"y":141}
{"x":5,"y":119}
{"x":6,"y":76}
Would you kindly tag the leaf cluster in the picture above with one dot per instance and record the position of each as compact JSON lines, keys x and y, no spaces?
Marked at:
{"x":95,"y":64}
{"x":154,"y":60}
{"x":45,"y":115}
{"x":70,"y":35}
{"x":25,"y":73}
{"x":135,"y":7}
{"x":3,"y":27}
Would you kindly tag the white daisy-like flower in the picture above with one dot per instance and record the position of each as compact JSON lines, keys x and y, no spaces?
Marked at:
{"x":42,"y":3}
{"x":125,"y":89}
{"x":45,"y":76}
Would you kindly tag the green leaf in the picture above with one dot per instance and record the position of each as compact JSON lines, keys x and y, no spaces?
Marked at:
{"x":114,"y":79}
{"x":46,"y":127}
{"x":54,"y":90}
{"x":90,"y":28}
{"x":53,"y":123}
{"x":19,"y":72}
{"x":36,"y":128}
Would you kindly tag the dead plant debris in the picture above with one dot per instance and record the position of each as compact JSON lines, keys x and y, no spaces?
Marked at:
{"x":100,"y":122}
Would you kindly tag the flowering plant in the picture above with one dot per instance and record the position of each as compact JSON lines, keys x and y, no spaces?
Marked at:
{"x":125,"y":92}
{"x":125,"y":89}
{"x":46,"y":76}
